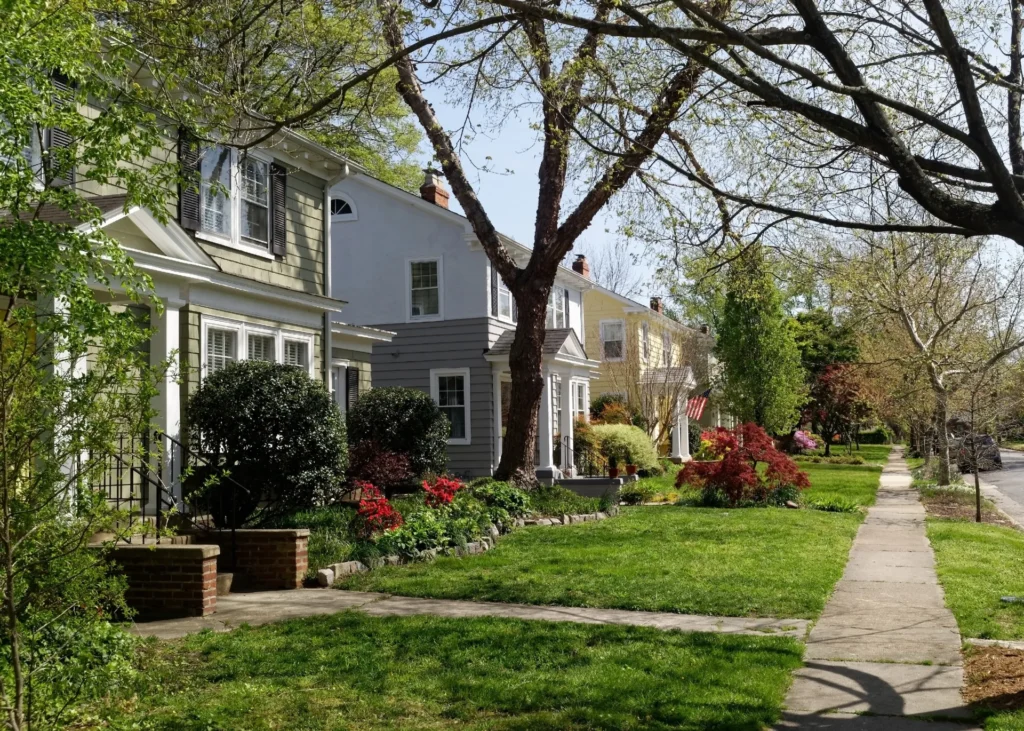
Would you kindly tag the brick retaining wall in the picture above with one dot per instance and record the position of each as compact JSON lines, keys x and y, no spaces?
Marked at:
{"x":168,"y":580}
{"x":264,"y":559}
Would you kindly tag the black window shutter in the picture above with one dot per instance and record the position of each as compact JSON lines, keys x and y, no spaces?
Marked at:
{"x":351,"y":387}
{"x":566,"y":307}
{"x":278,"y":204}
{"x":189,"y":155}
{"x":62,"y":172}
{"x":494,"y":291}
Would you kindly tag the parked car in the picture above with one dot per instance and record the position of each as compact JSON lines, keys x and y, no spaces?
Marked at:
{"x":988,"y":453}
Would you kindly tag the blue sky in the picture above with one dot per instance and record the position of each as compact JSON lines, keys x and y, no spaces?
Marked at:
{"x":510,"y":198}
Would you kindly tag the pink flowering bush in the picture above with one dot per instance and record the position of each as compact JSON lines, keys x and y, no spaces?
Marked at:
{"x":804,"y":441}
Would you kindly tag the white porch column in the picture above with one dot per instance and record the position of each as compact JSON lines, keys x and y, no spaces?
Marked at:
{"x":566,"y":425}
{"x":164,"y":348}
{"x":547,"y":454}
{"x":497,"y":418}
{"x":681,"y":433}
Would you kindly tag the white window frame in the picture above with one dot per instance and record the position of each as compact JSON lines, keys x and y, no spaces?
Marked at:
{"x":235,"y":240}
{"x":353,"y":216}
{"x":435,"y":374}
{"x":622,"y":328}
{"x":338,"y":391}
{"x":505,"y":291}
{"x":243,"y":330}
{"x":440,"y":289}
{"x":557,"y":304}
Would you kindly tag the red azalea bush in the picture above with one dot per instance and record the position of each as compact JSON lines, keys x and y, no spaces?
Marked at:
{"x":734,"y":478}
{"x":441,"y":491}
{"x":375,"y":514}
{"x":368,"y":462}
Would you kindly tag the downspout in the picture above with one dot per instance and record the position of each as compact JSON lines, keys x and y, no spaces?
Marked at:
{"x":327,"y":351}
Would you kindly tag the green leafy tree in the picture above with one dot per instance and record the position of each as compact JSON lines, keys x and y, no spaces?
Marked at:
{"x":822,"y":341}
{"x":764,"y":382}
{"x":73,"y":374}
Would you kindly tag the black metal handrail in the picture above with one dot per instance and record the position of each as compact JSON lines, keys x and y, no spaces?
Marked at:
{"x":586,"y":461}
{"x":155,"y":485}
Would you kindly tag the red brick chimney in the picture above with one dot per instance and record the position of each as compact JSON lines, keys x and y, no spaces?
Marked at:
{"x":657,"y":306}
{"x":581,"y":267}
{"x":433,"y":189}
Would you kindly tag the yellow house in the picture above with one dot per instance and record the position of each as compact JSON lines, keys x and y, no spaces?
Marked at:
{"x":654,"y":362}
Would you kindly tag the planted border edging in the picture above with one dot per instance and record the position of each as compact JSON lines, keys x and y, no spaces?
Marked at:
{"x":326,"y":577}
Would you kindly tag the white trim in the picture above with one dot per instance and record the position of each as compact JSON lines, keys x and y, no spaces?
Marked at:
{"x":353,"y":216}
{"x":242,"y":332}
{"x":409,"y":317}
{"x":236,"y":245}
{"x":435,"y":373}
{"x":622,"y":324}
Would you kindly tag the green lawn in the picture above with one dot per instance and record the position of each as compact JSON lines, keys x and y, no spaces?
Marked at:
{"x":977,"y":564}
{"x":747,"y":562}
{"x":856,"y":483}
{"x":361,"y":673}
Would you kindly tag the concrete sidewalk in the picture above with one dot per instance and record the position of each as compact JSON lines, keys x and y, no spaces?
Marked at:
{"x":886,"y":645}
{"x":275,"y":606}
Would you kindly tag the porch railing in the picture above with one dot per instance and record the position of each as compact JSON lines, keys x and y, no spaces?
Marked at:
{"x":163,"y":488}
{"x":586,"y":461}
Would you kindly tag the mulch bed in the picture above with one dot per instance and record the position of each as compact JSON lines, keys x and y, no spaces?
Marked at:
{"x":946,"y":504}
{"x":995,"y":678}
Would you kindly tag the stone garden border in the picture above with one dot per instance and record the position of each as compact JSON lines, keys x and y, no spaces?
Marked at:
{"x":326,"y":577}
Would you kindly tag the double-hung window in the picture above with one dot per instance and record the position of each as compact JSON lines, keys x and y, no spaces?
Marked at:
{"x":613,"y":337}
{"x":666,"y":349}
{"x":254,"y":176}
{"x":450,"y":389}
{"x":235,"y":200}
{"x":424,"y":289}
{"x":261,"y":346}
{"x":506,"y":303}
{"x":558,"y":305}
{"x":645,"y":340}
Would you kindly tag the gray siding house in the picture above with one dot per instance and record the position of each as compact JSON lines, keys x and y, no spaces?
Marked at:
{"x":410,"y":266}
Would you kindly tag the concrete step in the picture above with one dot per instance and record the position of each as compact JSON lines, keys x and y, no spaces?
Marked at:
{"x":224,"y":584}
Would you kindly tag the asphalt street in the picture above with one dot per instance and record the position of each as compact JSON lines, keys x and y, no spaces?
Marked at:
{"x":1009,"y":480}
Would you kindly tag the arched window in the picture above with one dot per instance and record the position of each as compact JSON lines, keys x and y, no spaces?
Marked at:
{"x":342,"y":209}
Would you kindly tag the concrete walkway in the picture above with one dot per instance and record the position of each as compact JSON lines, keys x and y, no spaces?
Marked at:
{"x":274,"y":606}
{"x":886,"y":645}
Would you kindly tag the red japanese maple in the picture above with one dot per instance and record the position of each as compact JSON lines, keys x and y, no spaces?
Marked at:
{"x":441,"y":491}
{"x":736,"y":473}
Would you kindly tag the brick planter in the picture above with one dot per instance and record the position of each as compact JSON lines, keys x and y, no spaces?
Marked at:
{"x":168,"y":580}
{"x":264,"y":559}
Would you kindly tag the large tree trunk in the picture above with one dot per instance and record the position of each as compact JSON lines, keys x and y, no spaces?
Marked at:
{"x":942,"y":435}
{"x":525,"y":363}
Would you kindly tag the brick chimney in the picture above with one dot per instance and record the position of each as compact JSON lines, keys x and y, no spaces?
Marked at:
{"x":657,"y":306}
{"x":581,"y":267}
{"x":433,"y":189}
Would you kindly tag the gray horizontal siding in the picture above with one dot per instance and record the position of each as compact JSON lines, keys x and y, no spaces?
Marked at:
{"x":419,"y":347}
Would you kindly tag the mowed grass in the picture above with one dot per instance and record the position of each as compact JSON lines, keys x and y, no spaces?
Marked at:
{"x":856,"y":483}
{"x":361,"y":673}
{"x":977,"y":564}
{"x":764,"y":562}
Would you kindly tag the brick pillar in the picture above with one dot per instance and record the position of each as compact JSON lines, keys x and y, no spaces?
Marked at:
{"x":264,"y":559}
{"x":169,"y":580}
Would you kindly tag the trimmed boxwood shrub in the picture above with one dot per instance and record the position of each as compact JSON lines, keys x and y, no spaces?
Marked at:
{"x":279,"y":435}
{"x":627,"y":445}
{"x":404,"y":421}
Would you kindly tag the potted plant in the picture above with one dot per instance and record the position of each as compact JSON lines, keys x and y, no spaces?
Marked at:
{"x":613,"y":466}
{"x":630,"y":468}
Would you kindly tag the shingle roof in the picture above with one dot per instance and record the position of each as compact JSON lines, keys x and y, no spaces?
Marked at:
{"x":52,"y":213}
{"x":554,"y":339}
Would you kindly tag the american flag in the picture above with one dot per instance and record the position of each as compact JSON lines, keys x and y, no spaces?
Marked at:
{"x":695,"y":406}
